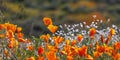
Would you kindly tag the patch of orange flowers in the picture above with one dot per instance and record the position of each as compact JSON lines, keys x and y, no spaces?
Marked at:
{"x":55,"y":47}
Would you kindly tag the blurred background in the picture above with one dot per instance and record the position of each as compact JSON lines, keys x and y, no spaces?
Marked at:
{"x":29,"y":13}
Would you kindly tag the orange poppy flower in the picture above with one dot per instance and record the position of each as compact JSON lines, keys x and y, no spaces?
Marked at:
{"x":117,"y":45}
{"x":48,"y":46}
{"x":82,"y":51}
{"x":67,"y":49}
{"x":13,"y":27}
{"x":70,"y":58}
{"x":79,"y":37}
{"x":73,"y":42}
{"x":97,"y":54}
{"x":11,"y":44}
{"x":30,"y":58}
{"x":40,"y":50}
{"x":75,"y":49}
{"x":45,"y":37}
{"x":12,"y":39}
{"x":6,"y":52}
{"x":19,"y":29}
{"x":63,"y":52}
{"x":16,"y":43}
{"x":114,"y":52}
{"x":112,"y":31}
{"x":100,"y":49}
{"x":51,"y":55}
{"x":88,"y":57}
{"x":20,"y":35}
{"x":30,"y":47}
{"x":116,"y":56}
{"x":47,"y":21}
{"x":72,"y":53}
{"x":21,"y":40}
{"x":92,"y":32}
{"x":52,"y":28}
{"x":67,"y":42}
{"x":40,"y":58}
{"x":9,"y":26}
{"x":9,"y":34}
{"x":57,"y":39}
{"x":52,"y":48}
{"x":108,"y":50}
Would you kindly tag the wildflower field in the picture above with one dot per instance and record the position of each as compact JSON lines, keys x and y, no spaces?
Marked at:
{"x":66,"y":42}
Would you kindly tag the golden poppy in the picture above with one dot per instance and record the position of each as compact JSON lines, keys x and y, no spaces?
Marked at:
{"x":47,"y":21}
{"x":88,"y":57}
{"x":92,"y":32}
{"x":100,"y":49}
{"x":11,"y":44}
{"x":70,"y":58}
{"x":9,"y":26}
{"x":13,"y":27}
{"x":67,"y":49}
{"x":12,"y":39}
{"x":75,"y":49}
{"x":40,"y":58}
{"x":21,"y":40}
{"x":57,"y":39}
{"x":108,"y":50}
{"x":9,"y":33}
{"x":20,"y":35}
{"x":73,"y":42}
{"x":45,"y":37}
{"x":79,"y":37}
{"x":40,"y":50}
{"x":30,"y":47}
{"x":16,"y":43}
{"x":82,"y":51}
{"x":63,"y":52}
{"x":19,"y":29}
{"x":112,"y":31}
{"x":67,"y":42}
{"x":116,"y":56}
{"x":114,"y":52}
{"x":52,"y":28}
{"x":52,"y":48}
{"x":97,"y":54}
{"x":71,"y":53}
{"x":6,"y":52}
{"x":51,"y":55}
{"x":117,"y":45}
